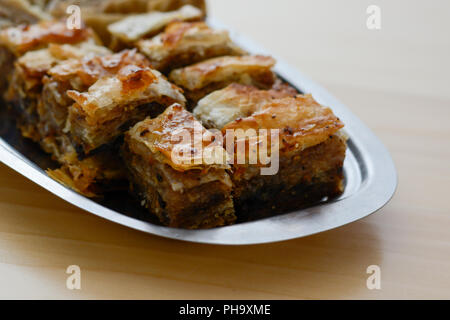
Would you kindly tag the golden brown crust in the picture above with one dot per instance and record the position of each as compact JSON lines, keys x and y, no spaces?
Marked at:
{"x":185,"y":43}
{"x":163,"y":134}
{"x":136,"y":27}
{"x":221,"y":69}
{"x":195,"y":199}
{"x":170,"y":5}
{"x":237,"y":101}
{"x":99,"y":14}
{"x":302,"y":122}
{"x":304,"y":178}
{"x":118,"y":91}
{"x":35,"y":64}
{"x":15,"y":12}
{"x":91,"y":69}
{"x":24,"y":38}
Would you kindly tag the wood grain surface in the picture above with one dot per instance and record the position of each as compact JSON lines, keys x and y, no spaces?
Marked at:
{"x":395,"y":79}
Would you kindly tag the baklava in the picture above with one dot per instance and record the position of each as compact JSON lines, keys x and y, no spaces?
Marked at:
{"x":121,"y":90}
{"x":174,"y":180}
{"x":27,"y":81}
{"x":145,"y":25}
{"x":202,"y":78}
{"x":186,"y":43}
{"x":310,"y":147}
{"x":15,"y":12}
{"x":16,"y":41}
{"x":40,"y":90}
{"x":39,"y":121}
{"x":253,"y":145}
{"x":99,"y":14}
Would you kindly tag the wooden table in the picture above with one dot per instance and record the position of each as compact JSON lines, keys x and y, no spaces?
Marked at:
{"x":396,"y":79}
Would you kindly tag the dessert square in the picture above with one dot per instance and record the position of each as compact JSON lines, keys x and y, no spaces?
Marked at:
{"x":181,"y":192}
{"x":310,"y":149}
{"x":200,"y":79}
{"x":186,"y":43}
{"x":44,"y":122}
{"x":264,"y":149}
{"x":100,"y":14}
{"x":16,"y":41}
{"x":119,"y":90}
{"x":25,"y":87}
{"x":170,"y":5}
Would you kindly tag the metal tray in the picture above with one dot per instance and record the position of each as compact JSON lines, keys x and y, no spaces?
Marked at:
{"x":370,"y":176}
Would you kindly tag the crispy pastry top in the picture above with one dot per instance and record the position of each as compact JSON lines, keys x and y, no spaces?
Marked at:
{"x":123,"y":79}
{"x":179,"y":37}
{"x":176,"y":138}
{"x":132,"y":86}
{"x":15,"y":12}
{"x":302,"y":122}
{"x":24,"y":38}
{"x":201,"y":74}
{"x":92,"y":68}
{"x":170,"y":5}
{"x":35,"y":64}
{"x":138,"y":26}
{"x":236,"y":101}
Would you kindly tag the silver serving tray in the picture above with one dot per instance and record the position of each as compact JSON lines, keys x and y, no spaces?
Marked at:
{"x":370,"y":176}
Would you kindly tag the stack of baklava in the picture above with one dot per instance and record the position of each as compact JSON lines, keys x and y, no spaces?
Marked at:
{"x":110,"y":115}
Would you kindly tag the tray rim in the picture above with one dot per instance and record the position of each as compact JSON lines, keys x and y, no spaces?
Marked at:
{"x":376,"y":191}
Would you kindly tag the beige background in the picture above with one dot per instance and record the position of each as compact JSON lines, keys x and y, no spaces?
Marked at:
{"x":395,"y":79}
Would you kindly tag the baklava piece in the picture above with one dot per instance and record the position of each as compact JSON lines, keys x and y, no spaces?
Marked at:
{"x":26,"y":85}
{"x":186,"y":43}
{"x":113,"y":91}
{"x":16,"y":41}
{"x":126,"y":92}
{"x":139,"y":26}
{"x":205,"y":77}
{"x":183,"y":192}
{"x":79,"y":74}
{"x":99,"y":14}
{"x":311,"y":148}
{"x":237,"y":101}
{"x":44,"y":124}
{"x":14,"y":12}
{"x":91,"y":176}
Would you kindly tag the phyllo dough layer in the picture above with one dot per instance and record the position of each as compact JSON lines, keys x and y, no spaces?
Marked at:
{"x":183,"y":44}
{"x":200,"y":79}
{"x":184,"y":194}
{"x":42,"y":118}
{"x":126,"y":91}
{"x":136,"y":27}
{"x":99,"y":14}
{"x":16,"y":41}
{"x":310,"y":148}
